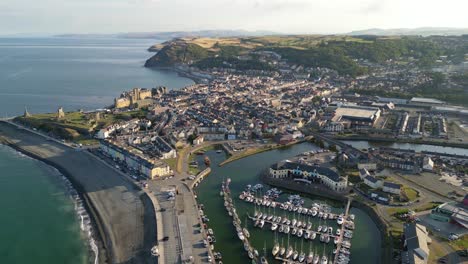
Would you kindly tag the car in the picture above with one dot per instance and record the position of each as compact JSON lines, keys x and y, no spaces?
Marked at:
{"x":134,"y":177}
{"x":166,"y":238}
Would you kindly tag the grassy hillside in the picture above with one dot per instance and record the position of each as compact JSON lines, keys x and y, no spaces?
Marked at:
{"x":335,"y":52}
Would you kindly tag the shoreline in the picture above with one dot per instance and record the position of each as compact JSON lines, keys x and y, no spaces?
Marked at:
{"x":403,"y":141}
{"x":124,"y":228}
{"x":96,"y":224}
{"x":260,"y":150}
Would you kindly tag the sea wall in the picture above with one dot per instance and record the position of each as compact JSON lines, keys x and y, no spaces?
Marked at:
{"x":119,"y":212}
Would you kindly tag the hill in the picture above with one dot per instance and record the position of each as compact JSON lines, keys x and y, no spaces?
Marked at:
{"x":423,"y":31}
{"x":336,"y":52}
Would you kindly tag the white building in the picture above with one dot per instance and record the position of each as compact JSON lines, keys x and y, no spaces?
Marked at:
{"x":390,"y":187}
{"x":373,"y":182}
{"x":428,"y":164}
{"x":308,"y":174}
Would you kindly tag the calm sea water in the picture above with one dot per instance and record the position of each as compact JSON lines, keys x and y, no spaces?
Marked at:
{"x":45,"y":73}
{"x":366,"y":242}
{"x":38,"y":223}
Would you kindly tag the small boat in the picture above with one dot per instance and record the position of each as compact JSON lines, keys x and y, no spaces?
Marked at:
{"x":319,"y":228}
{"x":324,"y":229}
{"x":282,"y":251}
{"x":339,"y":220}
{"x":330,"y":230}
{"x":313,"y":235}
{"x":275,"y":249}
{"x":251,"y":256}
{"x":241,"y":236}
{"x":336,"y":240}
{"x":324,"y":260}
{"x":256,"y":253}
{"x":301,"y":257}
{"x":351,"y":216}
{"x":295,"y":255}
{"x":246,"y":232}
{"x":314,"y":213}
{"x":274,"y":227}
{"x":338,"y":232}
{"x":219,"y":151}
{"x":327,"y":239}
{"x":281,"y":229}
{"x":289,"y":252}
{"x":300,"y":232}
{"x":207,"y":161}
{"x":263,"y":260}
{"x":294,"y":231}
{"x":310,"y":258}
{"x":316,"y":259}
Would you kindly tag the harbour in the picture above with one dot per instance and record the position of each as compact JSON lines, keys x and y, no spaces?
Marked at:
{"x":365,"y":240}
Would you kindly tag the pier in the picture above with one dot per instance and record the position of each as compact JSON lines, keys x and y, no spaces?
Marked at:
{"x":242,"y":233}
{"x":338,"y":246}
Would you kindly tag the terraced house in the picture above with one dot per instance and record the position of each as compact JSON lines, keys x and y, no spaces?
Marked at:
{"x":309,"y":173}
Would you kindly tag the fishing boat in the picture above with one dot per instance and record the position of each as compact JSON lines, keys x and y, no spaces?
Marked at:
{"x":330,"y":230}
{"x":301,"y":257}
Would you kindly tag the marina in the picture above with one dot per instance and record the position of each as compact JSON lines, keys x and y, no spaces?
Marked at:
{"x":365,"y":241}
{"x":302,"y":227}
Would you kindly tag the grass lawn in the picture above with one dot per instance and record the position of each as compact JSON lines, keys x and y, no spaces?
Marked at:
{"x":460,"y":244}
{"x":436,"y":252}
{"x":171,"y":162}
{"x":411,"y":193}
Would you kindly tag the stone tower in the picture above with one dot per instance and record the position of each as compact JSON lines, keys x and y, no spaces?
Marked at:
{"x":26,"y":113}
{"x":60,"y":113}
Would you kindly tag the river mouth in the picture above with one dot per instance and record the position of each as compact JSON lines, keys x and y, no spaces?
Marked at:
{"x":366,"y":243}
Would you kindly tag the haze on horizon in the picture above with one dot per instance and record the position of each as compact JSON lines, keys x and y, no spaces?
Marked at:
{"x":285,"y":16}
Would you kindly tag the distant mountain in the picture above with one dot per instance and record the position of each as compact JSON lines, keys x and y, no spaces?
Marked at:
{"x":175,"y":34}
{"x":423,"y":31}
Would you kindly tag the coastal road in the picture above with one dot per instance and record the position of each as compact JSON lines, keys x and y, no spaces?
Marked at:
{"x":124,"y":221}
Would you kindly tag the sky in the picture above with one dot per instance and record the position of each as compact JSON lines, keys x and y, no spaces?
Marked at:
{"x":282,"y":16}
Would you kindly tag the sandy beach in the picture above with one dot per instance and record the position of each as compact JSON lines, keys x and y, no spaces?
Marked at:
{"x":122,"y":213}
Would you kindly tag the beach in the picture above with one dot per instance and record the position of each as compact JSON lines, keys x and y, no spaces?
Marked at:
{"x":121,"y":212}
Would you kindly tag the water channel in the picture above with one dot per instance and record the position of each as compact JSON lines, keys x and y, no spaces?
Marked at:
{"x":366,"y":242}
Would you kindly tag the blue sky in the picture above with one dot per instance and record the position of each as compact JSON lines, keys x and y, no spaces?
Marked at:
{"x":286,"y":16}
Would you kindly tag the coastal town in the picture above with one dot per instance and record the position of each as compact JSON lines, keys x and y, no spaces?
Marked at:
{"x":163,"y":141}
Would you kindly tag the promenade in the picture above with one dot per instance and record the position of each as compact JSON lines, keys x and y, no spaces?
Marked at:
{"x":123,"y":219}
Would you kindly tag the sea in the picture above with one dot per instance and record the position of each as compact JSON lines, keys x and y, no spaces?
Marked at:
{"x":42,"y":219}
{"x":43,"y":74}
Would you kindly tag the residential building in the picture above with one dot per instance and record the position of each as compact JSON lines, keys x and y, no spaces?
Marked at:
{"x":416,"y":240}
{"x":308,"y":174}
{"x":390,"y":187}
{"x":373,"y":182}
